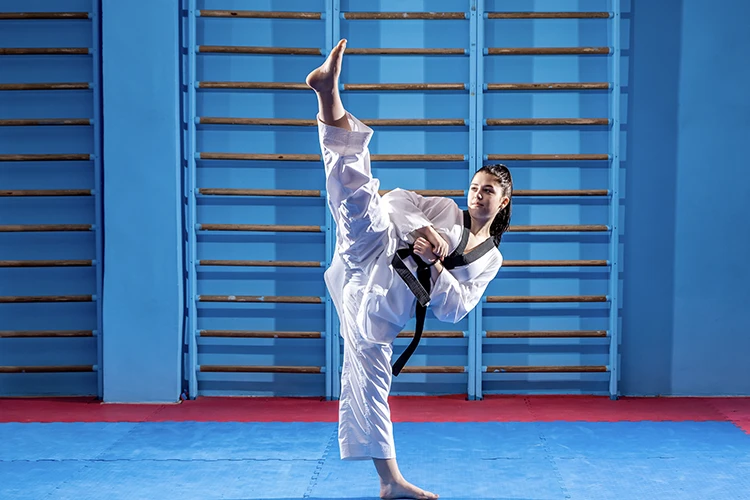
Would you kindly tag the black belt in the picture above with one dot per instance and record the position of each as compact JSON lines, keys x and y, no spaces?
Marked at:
{"x":421,"y":285}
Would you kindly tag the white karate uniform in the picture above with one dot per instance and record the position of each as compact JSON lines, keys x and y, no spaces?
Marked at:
{"x":373,"y":302}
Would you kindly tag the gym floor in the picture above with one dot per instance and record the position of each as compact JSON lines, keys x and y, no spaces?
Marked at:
{"x":518,"y":448}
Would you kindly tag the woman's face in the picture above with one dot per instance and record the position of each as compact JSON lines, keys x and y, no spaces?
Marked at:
{"x":486,"y":197}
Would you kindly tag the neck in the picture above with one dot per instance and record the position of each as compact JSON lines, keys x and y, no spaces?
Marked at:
{"x":481,"y":227}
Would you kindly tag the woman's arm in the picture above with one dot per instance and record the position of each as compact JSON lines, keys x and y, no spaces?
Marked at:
{"x":414,"y":215}
{"x":451,"y":300}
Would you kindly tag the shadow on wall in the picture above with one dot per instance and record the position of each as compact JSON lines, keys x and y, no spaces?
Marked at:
{"x":651,"y":49}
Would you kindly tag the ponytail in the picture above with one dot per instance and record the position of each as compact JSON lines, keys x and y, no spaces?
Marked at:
{"x":501,"y":223}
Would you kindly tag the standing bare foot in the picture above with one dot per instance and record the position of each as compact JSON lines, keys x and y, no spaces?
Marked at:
{"x":325,"y":78}
{"x":403,"y":489}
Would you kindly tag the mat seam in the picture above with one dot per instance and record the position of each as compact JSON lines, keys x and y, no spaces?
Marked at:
{"x":85,"y":463}
{"x":316,"y":473}
{"x":547,"y":451}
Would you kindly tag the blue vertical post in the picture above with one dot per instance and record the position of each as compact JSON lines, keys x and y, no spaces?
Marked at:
{"x":192,"y":263}
{"x":479,"y":145}
{"x":333,"y":347}
{"x":143,"y":285}
{"x":331,"y":370}
{"x":614,"y":249}
{"x":97,"y":123}
{"x":474,"y":89}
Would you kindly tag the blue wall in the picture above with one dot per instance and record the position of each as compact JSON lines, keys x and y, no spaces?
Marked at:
{"x":684,"y":239}
{"x":687,"y":232}
{"x":143,"y":286}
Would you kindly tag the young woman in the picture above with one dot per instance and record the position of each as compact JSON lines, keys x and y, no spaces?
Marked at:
{"x":381,"y":243}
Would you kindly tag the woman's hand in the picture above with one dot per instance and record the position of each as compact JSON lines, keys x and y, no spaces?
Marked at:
{"x":439,"y":245}
{"x":423,"y":248}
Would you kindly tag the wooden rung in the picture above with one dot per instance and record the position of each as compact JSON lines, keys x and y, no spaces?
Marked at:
{"x":418,"y":158}
{"x":554,"y":263}
{"x":433,"y":369}
{"x":261,"y":263}
{"x":293,"y":122}
{"x":260,"y":299}
{"x":259,"y":14}
{"x":403,"y":51}
{"x":46,"y":263}
{"x":39,"y":51}
{"x":560,"y":192}
{"x":47,"y":369}
{"x":255,"y":334}
{"x":507,"y":122}
{"x":546,"y":299}
{"x":254,"y":85}
{"x":535,"y":157}
{"x":593,"y":228}
{"x":46,"y":192}
{"x":546,"y":369}
{"x":44,"y":299}
{"x":236,"y":49}
{"x":404,"y":86}
{"x":44,"y":15}
{"x":451,"y":193}
{"x":25,"y":334}
{"x":403,"y":15}
{"x":434,"y":334}
{"x":44,"y":86}
{"x":41,"y":228}
{"x":258,"y":157}
{"x":546,"y":334}
{"x":45,"y":157}
{"x":308,"y":157}
{"x":308,"y":193}
{"x":549,"y":86}
{"x":427,"y":122}
{"x":259,"y":369}
{"x":540,"y":51}
{"x":273,"y":228}
{"x":258,"y":121}
{"x":548,"y":15}
{"x":44,"y":122}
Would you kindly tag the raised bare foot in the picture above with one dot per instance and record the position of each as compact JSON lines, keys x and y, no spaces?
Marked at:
{"x":325,"y":77}
{"x":404,"y":489}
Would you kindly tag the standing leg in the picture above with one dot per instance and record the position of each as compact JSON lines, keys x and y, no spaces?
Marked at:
{"x":365,"y":428}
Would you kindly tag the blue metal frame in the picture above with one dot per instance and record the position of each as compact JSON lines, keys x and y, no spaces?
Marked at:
{"x":95,"y":17}
{"x":191,"y":197}
{"x":614,"y":249}
{"x":478,"y":333}
{"x":333,"y":23}
{"x":333,"y":337}
{"x":474,"y":165}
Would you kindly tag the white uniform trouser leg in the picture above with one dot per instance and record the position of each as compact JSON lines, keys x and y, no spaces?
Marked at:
{"x":365,"y":427}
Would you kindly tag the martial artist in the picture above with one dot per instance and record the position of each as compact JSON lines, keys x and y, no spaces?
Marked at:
{"x":371,"y":294}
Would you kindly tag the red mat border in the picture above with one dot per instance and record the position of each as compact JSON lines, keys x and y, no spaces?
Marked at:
{"x":403,"y":409}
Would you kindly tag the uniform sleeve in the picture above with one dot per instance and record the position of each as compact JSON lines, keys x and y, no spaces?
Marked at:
{"x":451,"y":300}
{"x":410,"y":211}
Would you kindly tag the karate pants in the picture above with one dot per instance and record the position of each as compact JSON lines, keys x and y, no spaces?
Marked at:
{"x":365,"y":427}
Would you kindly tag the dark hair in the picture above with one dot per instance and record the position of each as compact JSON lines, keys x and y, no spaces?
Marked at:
{"x":502,"y":219}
